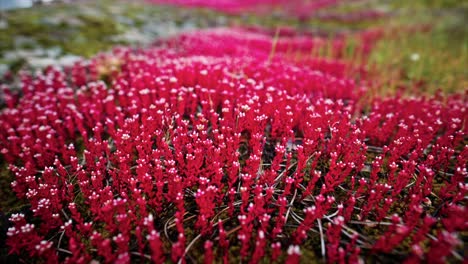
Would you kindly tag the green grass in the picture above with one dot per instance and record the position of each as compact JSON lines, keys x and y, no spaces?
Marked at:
{"x":424,"y":48}
{"x":87,"y":37}
{"x":430,"y":60}
{"x":425,"y":60}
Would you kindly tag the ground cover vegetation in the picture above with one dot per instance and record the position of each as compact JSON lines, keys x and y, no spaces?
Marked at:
{"x":311,"y":142}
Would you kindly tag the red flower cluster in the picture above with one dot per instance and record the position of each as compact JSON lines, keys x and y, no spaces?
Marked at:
{"x":283,"y":44}
{"x":188,"y":149}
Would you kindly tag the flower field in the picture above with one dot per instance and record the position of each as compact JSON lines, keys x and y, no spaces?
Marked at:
{"x":233,"y":144}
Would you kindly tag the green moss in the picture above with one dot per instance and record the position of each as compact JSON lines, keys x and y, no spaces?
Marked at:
{"x":429,"y":3}
{"x":9,"y":203}
{"x":71,"y":27}
{"x":431,"y":60}
{"x":426,"y":60}
{"x":17,"y":64}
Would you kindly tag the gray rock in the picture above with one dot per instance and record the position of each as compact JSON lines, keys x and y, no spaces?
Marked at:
{"x":53,"y":52}
{"x":68,"y":60}
{"x":36,"y":62}
{"x":133,"y":36}
{"x":3,"y":24}
{"x":22,"y":41}
{"x":3,"y":69}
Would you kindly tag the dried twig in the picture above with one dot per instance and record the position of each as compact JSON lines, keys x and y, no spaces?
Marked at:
{"x":322,"y":241}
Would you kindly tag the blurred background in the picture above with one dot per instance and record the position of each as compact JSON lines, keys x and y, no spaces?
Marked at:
{"x":423,"y":42}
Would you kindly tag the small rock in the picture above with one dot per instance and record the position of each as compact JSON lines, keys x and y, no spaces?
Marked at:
{"x":68,"y":60}
{"x":133,"y":36}
{"x":3,"y":24}
{"x":40,"y":62}
{"x":22,"y":41}
{"x":3,"y":69}
{"x":53,"y":52}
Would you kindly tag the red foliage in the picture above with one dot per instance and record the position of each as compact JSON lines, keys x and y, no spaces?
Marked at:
{"x":192,"y":148}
